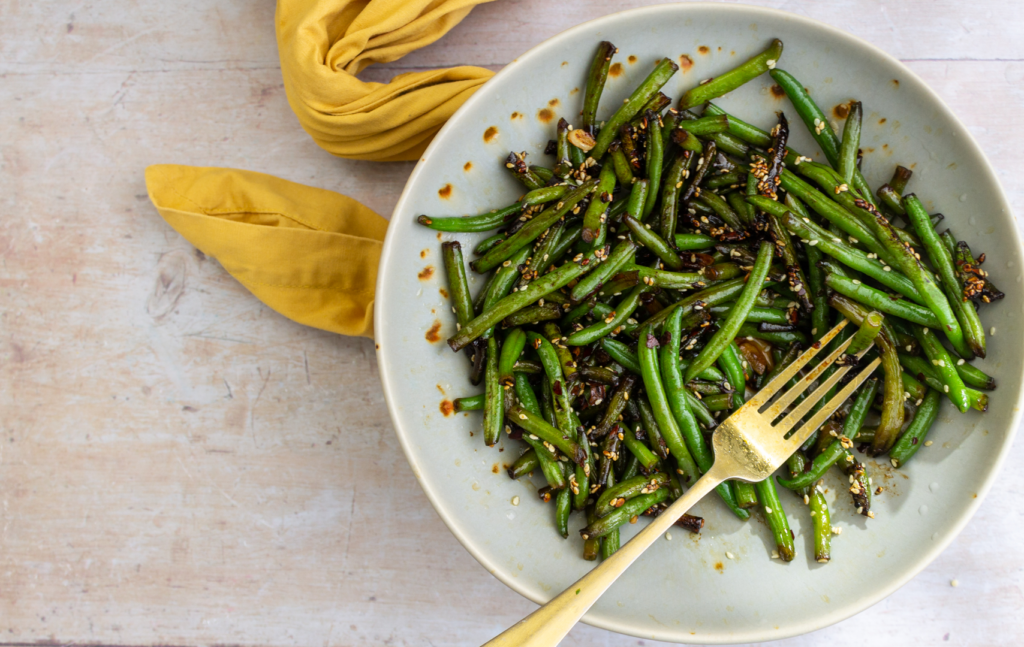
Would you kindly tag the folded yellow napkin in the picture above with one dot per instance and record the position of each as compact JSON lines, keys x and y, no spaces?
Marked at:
{"x":308,"y":253}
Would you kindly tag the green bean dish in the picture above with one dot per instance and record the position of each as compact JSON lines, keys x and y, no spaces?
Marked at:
{"x":670,"y":262}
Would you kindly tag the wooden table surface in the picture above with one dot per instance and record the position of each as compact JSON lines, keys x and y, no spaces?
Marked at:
{"x":180,"y":465}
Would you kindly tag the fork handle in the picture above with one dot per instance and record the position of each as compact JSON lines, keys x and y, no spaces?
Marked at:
{"x":546,"y":626}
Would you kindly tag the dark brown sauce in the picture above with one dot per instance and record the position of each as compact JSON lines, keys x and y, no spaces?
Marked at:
{"x":703,"y":50}
{"x":490,"y":134}
{"x":443,"y":292}
{"x":432,"y":335}
{"x":545,"y":115}
{"x":777,"y":91}
{"x":427,"y":272}
{"x":615,"y":70}
{"x":554,"y":103}
{"x":841,"y":111}
{"x":468,"y":166}
{"x":631,"y":60}
{"x":445,"y":192}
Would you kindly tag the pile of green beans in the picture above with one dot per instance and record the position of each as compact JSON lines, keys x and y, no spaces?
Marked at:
{"x":671,"y":262}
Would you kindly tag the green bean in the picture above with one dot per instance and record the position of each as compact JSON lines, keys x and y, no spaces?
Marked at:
{"x":544,"y":195}
{"x":781,"y":337}
{"x":700,"y":410}
{"x":563,"y":508}
{"x":705,"y":125}
{"x":912,"y":386}
{"x":653,"y":242}
{"x":511,"y":349}
{"x":731,"y":364}
{"x":730,"y":145}
{"x":974,"y":376}
{"x":727,"y":332}
{"x":892,"y":401}
{"x":854,"y":258}
{"x":741,"y":129}
{"x":776,"y":517}
{"x":621,"y":255}
{"x":523,"y":465}
{"x":548,"y":462}
{"x":722,"y":208}
{"x":533,"y":229}
{"x":734,"y":78}
{"x":537,"y":426}
{"x":619,"y":163}
{"x":570,"y":236}
{"x":488,"y":243}
{"x":605,"y":476}
{"x":471,"y":403}
{"x":484,"y":222}
{"x":458,"y":286}
{"x":891,"y":199}
{"x":822,"y":526}
{"x":541,"y":254}
{"x":616,"y":405}
{"x":687,"y":141}
{"x":591,"y":546}
{"x":739,"y":204}
{"x":658,"y":400}
{"x":881,"y":301}
{"x":563,"y":165}
{"x":730,"y":180}
{"x":655,"y":162}
{"x":797,"y":281}
{"x":580,"y":481}
{"x":757,"y":314}
{"x":672,"y":378}
{"x":945,"y":368}
{"x":818,"y":125}
{"x":624,"y":310}
{"x":632,"y":466}
{"x":718,"y":401}
{"x":917,"y":430}
{"x":668,"y":280}
{"x":942,"y":260}
{"x":519,"y":300}
{"x":662,"y":72}
{"x":554,"y":335}
{"x":632,"y":508}
{"x":610,"y":544}
{"x":533,"y":314}
{"x":628,"y":489}
{"x":596,"y":79}
{"x":670,"y":191}
{"x":745,"y":493}
{"x":622,"y":354}
{"x":924,"y":370}
{"x":636,"y":447}
{"x":650,"y":425}
{"x":494,"y":411}
{"x":846,"y":162}
{"x":717,"y":294}
{"x":865,"y":335}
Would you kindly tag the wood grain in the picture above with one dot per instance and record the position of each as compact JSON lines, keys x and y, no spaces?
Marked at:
{"x":180,"y":465}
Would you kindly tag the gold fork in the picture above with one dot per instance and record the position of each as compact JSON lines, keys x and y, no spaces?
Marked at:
{"x":748,"y":446}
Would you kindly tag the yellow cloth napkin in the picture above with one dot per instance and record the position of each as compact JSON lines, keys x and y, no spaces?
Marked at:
{"x":308,"y":253}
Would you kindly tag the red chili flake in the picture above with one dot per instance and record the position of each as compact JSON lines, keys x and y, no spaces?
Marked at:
{"x":557,"y":387}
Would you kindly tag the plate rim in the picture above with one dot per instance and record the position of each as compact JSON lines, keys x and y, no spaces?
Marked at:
{"x":798,"y":628}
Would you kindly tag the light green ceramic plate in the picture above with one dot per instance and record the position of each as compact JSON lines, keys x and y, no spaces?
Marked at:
{"x":689,"y":589}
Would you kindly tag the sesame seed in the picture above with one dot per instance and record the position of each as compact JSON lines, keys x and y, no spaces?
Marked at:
{"x":729,"y":555}
{"x":836,"y":530}
{"x":945,"y":388}
{"x":767,"y":510}
{"x":515,"y":500}
{"x":886,"y":268}
{"x":668,"y":536}
{"x":775,"y":554}
{"x":856,"y":282}
{"x":927,"y":443}
{"x":909,"y":348}
{"x":960,"y":362}
{"x":871,"y":515}
{"x":770,"y":63}
{"x":807,"y":500}
{"x":954,"y":583}
{"x":894,"y":464}
{"x":992,"y":331}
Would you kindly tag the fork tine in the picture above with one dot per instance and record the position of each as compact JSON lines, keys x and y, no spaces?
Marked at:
{"x":801,"y":409}
{"x":821,"y":416}
{"x":789,"y":396}
{"x":773,"y":387}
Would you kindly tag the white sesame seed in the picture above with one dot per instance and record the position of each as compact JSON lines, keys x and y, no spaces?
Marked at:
{"x":945,"y":388}
{"x":668,"y":536}
{"x":856,"y":282}
{"x":927,"y":443}
{"x":767,"y":510}
{"x":886,"y":268}
{"x":909,"y":348}
{"x":775,"y":554}
{"x":960,"y":362}
{"x":836,"y":530}
{"x":729,"y":555}
{"x":992,"y":331}
{"x":894,"y":464}
{"x":954,"y":583}
{"x":813,"y":513}
{"x":770,"y":63}
{"x":515,"y":500}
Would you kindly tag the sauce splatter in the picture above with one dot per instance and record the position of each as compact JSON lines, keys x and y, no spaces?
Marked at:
{"x":719,"y":567}
{"x":443,"y":292}
{"x":468,"y":166}
{"x":427,"y":272}
{"x":573,"y":91}
{"x":882,"y":121}
{"x":516,"y":115}
{"x":545,"y":115}
{"x":490,"y":134}
{"x":631,"y":60}
{"x":703,"y":50}
{"x":564,"y":63}
{"x":447,"y":408}
{"x":896,"y":83}
{"x":554,"y":103}
{"x":841,"y":111}
{"x":423,"y":254}
{"x":615,"y":70}
{"x":685,"y":62}
{"x":445,"y":192}
{"x":777,"y":91}
{"x":495,"y":468}
{"x":439,"y":235}
{"x":432,"y":335}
